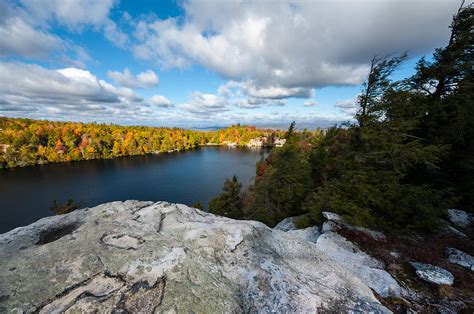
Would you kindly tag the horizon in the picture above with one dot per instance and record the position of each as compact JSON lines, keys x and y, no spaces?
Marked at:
{"x":201,"y":64}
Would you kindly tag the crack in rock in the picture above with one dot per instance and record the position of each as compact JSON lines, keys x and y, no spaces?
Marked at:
{"x":142,"y":298}
{"x":121,"y":241}
{"x":100,"y":285}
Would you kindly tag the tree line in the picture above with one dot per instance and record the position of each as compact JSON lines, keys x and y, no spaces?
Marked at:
{"x":26,"y":142}
{"x":407,"y":156}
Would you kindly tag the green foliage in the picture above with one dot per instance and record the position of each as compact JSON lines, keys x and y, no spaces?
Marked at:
{"x":283,"y":184}
{"x":408,"y":158}
{"x":198,"y":205}
{"x":61,"y":209}
{"x":444,"y":92}
{"x":228,"y":202}
{"x":305,"y":221}
{"x":291,"y":131}
{"x":283,"y":187}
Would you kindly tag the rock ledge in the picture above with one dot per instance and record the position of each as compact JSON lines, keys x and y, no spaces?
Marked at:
{"x":160,"y":257}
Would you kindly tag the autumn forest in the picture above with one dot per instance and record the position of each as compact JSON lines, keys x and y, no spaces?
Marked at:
{"x":26,"y":142}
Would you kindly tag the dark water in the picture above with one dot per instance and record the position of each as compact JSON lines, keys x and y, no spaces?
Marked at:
{"x":26,"y":194}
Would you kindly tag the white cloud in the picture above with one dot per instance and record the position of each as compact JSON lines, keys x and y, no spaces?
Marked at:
{"x":25,"y":27}
{"x":347,"y":106}
{"x":310,"y":103}
{"x":292,"y":44}
{"x":39,"y":92}
{"x":114,"y":34}
{"x":242,"y":95}
{"x":251,"y":89}
{"x":204,"y":104}
{"x":73,"y":14}
{"x":75,"y":94}
{"x":19,"y":38}
{"x":161,"y":101}
{"x":146,"y":79}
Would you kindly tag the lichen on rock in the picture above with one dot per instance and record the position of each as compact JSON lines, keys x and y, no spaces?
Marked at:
{"x":161,"y":257}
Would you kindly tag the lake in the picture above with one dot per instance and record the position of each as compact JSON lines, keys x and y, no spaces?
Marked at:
{"x":26,"y":194}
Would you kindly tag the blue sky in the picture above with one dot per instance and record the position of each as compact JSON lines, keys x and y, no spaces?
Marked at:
{"x":204,"y":63}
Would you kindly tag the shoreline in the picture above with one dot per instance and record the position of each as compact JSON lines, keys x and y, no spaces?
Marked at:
{"x":137,"y":155}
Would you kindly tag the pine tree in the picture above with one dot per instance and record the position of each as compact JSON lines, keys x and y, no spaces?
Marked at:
{"x":229,"y":202}
{"x":443,"y":90}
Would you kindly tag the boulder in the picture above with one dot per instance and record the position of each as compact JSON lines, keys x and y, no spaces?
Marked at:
{"x":310,"y":234}
{"x":433,"y":274}
{"x":286,"y":224}
{"x":335,"y":219}
{"x":458,"y":257}
{"x":160,"y":257}
{"x":332,"y":216}
{"x":459,"y":217}
{"x":329,"y":226}
{"x":366,"y":268}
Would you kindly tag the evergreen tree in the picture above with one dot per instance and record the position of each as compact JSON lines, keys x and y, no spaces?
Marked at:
{"x":443,"y":91}
{"x":284,"y":185}
{"x":229,"y":202}
{"x":364,"y":177}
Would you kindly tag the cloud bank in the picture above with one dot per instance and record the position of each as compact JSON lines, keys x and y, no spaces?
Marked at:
{"x":32,"y":90}
{"x":144,"y":79}
{"x":292,"y":45}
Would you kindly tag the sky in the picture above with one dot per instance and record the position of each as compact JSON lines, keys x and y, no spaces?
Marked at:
{"x":210,"y":63}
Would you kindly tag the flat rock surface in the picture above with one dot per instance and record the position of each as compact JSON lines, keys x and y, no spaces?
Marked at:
{"x":160,"y":257}
{"x":433,"y":274}
{"x":366,"y":268}
{"x":458,"y":257}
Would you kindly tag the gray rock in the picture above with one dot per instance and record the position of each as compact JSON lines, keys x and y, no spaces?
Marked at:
{"x":329,"y":226}
{"x":332,"y":216}
{"x":286,"y":224}
{"x":458,"y":257}
{"x":433,"y":274}
{"x":160,"y":257}
{"x":310,"y":234}
{"x":459,"y":217}
{"x":335,"y":220}
{"x":452,"y":230}
{"x":395,"y":254}
{"x":366,"y":268}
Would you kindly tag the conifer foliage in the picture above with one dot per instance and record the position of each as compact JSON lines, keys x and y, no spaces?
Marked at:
{"x":406,"y":158}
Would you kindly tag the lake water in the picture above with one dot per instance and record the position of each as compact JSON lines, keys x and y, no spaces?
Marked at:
{"x":26,"y":194}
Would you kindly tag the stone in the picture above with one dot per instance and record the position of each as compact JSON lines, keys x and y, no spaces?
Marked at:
{"x":286,"y":224}
{"x":395,"y":254}
{"x":459,"y":217}
{"x":329,"y":226}
{"x":335,"y":221}
{"x":98,"y":286}
{"x":332,"y":216}
{"x":310,"y":234}
{"x":458,"y":257}
{"x":121,"y":241}
{"x":368,"y":269}
{"x":169,"y":258}
{"x":452,"y":230}
{"x":433,"y":274}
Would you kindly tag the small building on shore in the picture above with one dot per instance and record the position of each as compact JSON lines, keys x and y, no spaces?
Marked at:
{"x":3,"y":148}
{"x":279,"y":142}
